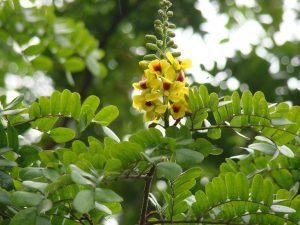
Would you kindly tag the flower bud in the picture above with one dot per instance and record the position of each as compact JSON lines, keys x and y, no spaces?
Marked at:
{"x":171,"y":34}
{"x":151,"y":46}
{"x":170,"y":13}
{"x":150,"y":57}
{"x":144,"y":64}
{"x":150,"y":38}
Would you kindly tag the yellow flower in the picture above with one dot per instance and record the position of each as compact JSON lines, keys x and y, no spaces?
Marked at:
{"x":150,"y":103}
{"x":179,"y":65}
{"x":178,"y":110}
{"x":176,"y":91}
{"x":158,"y":67}
{"x":142,"y":85}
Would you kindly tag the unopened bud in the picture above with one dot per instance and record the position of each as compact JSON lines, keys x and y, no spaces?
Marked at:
{"x":144,"y":64}
{"x":170,"y":13}
{"x":159,"y":43}
{"x":150,"y":57}
{"x":174,"y":46}
{"x":172,"y":26}
{"x":171,"y":34}
{"x":150,"y":38}
{"x":158,"y":30}
{"x":170,"y":43}
{"x":176,"y":54}
{"x":151,"y":46}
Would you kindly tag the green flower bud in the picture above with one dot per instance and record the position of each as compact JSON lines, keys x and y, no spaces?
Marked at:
{"x":151,"y":46}
{"x":170,"y":13}
{"x":150,"y":38}
{"x":170,"y":43}
{"x":176,"y":54}
{"x":159,"y":43}
{"x":150,"y":57}
{"x":171,"y":34}
{"x":172,"y":26}
{"x":158,"y":30}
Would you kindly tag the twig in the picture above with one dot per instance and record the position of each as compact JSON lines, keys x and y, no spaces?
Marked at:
{"x":149,"y":176}
{"x":189,"y":222}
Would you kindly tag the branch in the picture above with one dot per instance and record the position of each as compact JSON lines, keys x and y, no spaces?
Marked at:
{"x":191,"y":221}
{"x":243,"y":127}
{"x":149,"y":176}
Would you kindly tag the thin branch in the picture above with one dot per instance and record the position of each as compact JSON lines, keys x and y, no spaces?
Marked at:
{"x":143,"y":217}
{"x":243,"y":127}
{"x":191,"y":221}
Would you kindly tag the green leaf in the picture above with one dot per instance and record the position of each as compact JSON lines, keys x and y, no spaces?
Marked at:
{"x":75,"y":106}
{"x":256,"y":188}
{"x":92,"y":101}
{"x":6,"y":181}
{"x":264,"y":147}
{"x":103,"y":208}
{"x":81,"y":177}
{"x":4,"y":198}
{"x":15,"y":102}
{"x":187,"y":157}
{"x":22,"y":198}
{"x":286,"y":151}
{"x":111,"y":134}
{"x":213,"y":101}
{"x":74,"y":64}
{"x":168,"y":170}
{"x":84,"y":201}
{"x":147,"y":138}
{"x":214,"y":133}
{"x":107,"y":195}
{"x":62,"y":134}
{"x":43,"y":221}
{"x":28,"y":155}
{"x":236,"y":103}
{"x":3,"y":137}
{"x":12,"y":136}
{"x":34,"y":49}
{"x":44,"y":105}
{"x":35,"y":185}
{"x":9,"y":163}
{"x":24,"y":217}
{"x":282,"y":209}
{"x":65,"y":105}
{"x":281,"y":121}
{"x":55,"y":103}
{"x":247,"y":102}
{"x":106,"y":115}
{"x":42,"y":63}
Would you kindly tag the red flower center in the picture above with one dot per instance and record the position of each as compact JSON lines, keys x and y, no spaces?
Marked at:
{"x":180,"y":76}
{"x":157,"y":67}
{"x":166,"y":86}
{"x":148,"y":104}
{"x":143,"y":84}
{"x":176,"y":108}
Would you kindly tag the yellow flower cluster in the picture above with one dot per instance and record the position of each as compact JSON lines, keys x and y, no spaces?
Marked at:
{"x":163,"y":88}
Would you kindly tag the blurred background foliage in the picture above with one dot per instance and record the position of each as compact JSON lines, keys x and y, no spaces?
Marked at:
{"x":93,"y":47}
